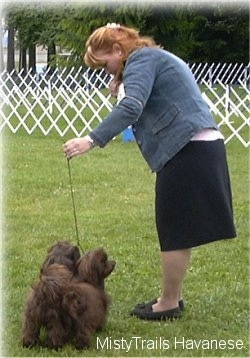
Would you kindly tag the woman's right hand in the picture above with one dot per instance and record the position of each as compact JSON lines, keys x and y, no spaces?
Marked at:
{"x":76,"y":146}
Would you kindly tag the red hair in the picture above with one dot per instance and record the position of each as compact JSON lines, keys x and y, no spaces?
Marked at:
{"x":105,"y":37}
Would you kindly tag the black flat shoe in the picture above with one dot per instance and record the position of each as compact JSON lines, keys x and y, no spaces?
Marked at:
{"x":142,"y":305}
{"x":147,"y":313}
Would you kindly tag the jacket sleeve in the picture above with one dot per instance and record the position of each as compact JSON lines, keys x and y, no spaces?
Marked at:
{"x":138,"y":79}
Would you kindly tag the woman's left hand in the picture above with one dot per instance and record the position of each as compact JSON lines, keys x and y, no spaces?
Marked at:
{"x":76,"y":146}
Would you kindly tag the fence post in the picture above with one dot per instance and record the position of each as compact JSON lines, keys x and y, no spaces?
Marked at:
{"x":50,"y":97}
{"x":210,"y":74}
{"x":227,"y":104}
{"x":245,"y":75}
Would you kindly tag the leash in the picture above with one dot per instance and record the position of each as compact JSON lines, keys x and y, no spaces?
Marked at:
{"x":74,"y":207}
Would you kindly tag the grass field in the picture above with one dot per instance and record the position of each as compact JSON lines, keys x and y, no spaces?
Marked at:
{"x":114,"y":191}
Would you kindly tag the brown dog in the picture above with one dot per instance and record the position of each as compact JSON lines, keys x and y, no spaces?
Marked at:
{"x":59,"y":298}
{"x":87,"y":303}
{"x":44,"y":308}
{"x":43,"y":304}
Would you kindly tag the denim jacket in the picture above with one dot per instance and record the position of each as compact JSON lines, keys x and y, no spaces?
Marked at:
{"x":163,"y":104}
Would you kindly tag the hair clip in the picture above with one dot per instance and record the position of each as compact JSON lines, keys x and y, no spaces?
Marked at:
{"x":112,"y":25}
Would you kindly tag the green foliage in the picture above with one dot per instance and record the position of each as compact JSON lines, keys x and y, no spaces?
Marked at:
{"x":194,"y":32}
{"x":27,"y":22}
{"x":222,"y":31}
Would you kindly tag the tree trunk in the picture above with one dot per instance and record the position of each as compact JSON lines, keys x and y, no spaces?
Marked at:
{"x":51,"y":52}
{"x":11,"y":48}
{"x":32,"y":58}
{"x":22,"y":60}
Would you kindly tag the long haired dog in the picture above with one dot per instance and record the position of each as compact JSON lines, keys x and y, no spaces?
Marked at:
{"x":61,"y":303}
{"x":43,"y":306}
{"x":87,"y":303}
{"x":44,"y":309}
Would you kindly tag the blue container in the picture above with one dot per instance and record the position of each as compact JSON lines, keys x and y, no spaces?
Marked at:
{"x":127,"y":135}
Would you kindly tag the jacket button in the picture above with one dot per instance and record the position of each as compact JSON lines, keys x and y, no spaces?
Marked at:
{"x":139,"y":142}
{"x":133,"y":129}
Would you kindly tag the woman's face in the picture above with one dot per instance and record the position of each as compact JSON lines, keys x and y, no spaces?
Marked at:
{"x":111,"y":61}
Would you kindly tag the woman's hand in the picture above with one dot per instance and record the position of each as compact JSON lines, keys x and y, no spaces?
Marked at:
{"x":76,"y":146}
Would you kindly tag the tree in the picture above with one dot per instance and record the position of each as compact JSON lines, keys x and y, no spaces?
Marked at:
{"x":195,"y":33}
{"x":21,"y":22}
{"x":218,"y":34}
{"x":50,"y":19}
{"x":34,"y":24}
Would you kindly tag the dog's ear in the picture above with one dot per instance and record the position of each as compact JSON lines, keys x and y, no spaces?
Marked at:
{"x":82,"y":269}
{"x":74,"y":253}
{"x":88,"y":268}
{"x":99,"y":266}
{"x":106,"y":266}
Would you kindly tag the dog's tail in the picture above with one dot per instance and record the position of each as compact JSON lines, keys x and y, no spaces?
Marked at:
{"x":51,"y":288}
{"x":53,"y":283}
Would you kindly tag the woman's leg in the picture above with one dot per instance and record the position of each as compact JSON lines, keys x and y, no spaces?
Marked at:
{"x":174,"y":266}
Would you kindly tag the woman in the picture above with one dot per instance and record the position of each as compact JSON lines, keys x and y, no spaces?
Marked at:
{"x":181,"y":143}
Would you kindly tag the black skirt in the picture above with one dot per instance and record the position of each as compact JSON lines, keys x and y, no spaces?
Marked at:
{"x":193,"y":197}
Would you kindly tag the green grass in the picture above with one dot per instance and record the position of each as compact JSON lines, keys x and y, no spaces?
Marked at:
{"x":114,"y":194}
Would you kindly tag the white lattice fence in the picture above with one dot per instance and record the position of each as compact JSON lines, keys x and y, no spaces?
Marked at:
{"x":63,"y":101}
{"x":227,"y":73}
{"x":77,"y":100}
{"x":230,"y":106}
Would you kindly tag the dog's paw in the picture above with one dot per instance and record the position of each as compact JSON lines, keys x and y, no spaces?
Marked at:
{"x":29,"y":342}
{"x":81,"y":345}
{"x":52,"y":345}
